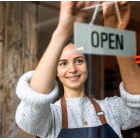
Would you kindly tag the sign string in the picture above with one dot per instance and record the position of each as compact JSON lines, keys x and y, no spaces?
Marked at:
{"x":94,"y":15}
{"x":118,"y":13}
{"x":96,"y":11}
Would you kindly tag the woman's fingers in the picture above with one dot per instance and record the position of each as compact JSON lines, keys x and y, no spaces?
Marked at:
{"x":108,"y":9}
{"x":80,"y":4}
{"x":111,"y":16}
{"x":79,"y":14}
{"x":123,"y":3}
{"x":87,"y":3}
{"x":71,"y":12}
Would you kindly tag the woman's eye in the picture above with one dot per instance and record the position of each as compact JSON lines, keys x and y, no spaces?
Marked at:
{"x":79,"y":61}
{"x":63,"y":64}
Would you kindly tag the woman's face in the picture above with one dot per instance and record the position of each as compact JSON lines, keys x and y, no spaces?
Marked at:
{"x":72,"y":68}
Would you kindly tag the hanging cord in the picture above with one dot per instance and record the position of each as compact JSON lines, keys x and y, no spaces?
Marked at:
{"x":94,"y":6}
{"x":94,"y":15}
{"x":118,"y":13}
{"x":96,"y":11}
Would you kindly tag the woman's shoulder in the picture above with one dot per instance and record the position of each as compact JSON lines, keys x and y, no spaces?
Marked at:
{"x":109,"y":101}
{"x":57,"y":103}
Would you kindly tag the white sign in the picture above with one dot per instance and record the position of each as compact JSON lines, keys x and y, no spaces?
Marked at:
{"x":92,"y":39}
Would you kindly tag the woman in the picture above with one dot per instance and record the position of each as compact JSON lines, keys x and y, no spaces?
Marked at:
{"x":76,"y":114}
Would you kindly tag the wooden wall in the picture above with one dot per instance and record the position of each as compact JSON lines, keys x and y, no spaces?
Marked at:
{"x":18,"y":54}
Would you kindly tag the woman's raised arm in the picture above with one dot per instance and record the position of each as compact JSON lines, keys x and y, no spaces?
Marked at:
{"x":130,"y":71}
{"x":43,"y":79}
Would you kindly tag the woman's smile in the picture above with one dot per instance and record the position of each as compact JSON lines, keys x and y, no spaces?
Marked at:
{"x":73,"y":78}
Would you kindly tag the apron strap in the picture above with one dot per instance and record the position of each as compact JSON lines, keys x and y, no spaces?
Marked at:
{"x":64,"y":114}
{"x":98,"y":110}
{"x":65,"y":117}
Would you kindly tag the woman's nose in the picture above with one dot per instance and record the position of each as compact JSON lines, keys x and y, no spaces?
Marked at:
{"x":72,"y":68}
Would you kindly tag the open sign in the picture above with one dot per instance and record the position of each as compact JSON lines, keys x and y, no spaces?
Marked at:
{"x":93,"y":39}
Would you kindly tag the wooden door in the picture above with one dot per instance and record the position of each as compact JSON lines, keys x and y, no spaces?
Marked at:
{"x":18,"y":54}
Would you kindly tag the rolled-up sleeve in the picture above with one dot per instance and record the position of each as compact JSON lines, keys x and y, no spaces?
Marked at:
{"x":131,"y":100}
{"x":125,"y":109}
{"x":34,"y":113}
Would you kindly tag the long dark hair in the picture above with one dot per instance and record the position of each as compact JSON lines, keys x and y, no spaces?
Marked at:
{"x":89,"y":83}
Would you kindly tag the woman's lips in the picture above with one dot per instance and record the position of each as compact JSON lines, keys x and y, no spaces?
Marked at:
{"x":74,"y":78}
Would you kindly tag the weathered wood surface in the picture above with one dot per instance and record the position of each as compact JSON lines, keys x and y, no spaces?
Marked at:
{"x":2,"y":22}
{"x":18,"y":54}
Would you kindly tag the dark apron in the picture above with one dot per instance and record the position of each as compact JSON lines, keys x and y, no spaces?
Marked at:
{"x":102,"y":131}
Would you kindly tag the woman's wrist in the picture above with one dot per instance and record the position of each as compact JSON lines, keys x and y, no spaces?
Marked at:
{"x":62,"y":32}
{"x":60,"y":36}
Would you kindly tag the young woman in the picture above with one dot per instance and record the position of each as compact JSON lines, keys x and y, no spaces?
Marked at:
{"x":76,"y":114}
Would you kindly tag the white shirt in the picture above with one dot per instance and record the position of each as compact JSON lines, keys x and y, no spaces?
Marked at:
{"x":38,"y":116}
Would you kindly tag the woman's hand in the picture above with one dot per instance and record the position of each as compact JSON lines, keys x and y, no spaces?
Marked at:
{"x":70,"y":13}
{"x":110,"y":14}
{"x":129,"y":69}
